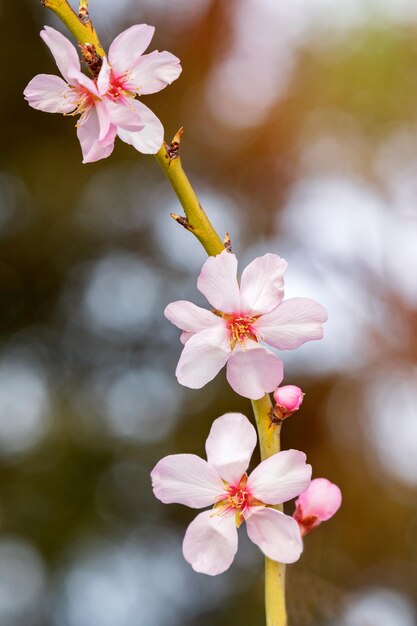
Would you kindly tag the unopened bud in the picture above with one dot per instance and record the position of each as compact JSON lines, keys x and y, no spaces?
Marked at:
{"x":320,"y":501}
{"x":288,"y":399}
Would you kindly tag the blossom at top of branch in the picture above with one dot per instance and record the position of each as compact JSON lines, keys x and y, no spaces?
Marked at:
{"x":317,"y":504}
{"x":210,"y":542}
{"x":243,"y":318}
{"x":107,"y":105}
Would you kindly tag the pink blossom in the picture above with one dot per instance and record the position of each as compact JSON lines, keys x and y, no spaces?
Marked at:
{"x":288,"y":399}
{"x":320,"y":501}
{"x":210,"y":542}
{"x":242,"y":319}
{"x":108,"y":104}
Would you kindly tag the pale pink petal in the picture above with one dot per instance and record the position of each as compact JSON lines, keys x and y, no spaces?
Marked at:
{"x":281,"y":477}
{"x":88,"y":135}
{"x":185,"y":336}
{"x":149,"y":139}
{"x":218,"y":282}
{"x":262,"y":284}
{"x":276,"y":534}
{"x":230,"y":445}
{"x":126,"y":48}
{"x":292,"y":323}
{"x":83,"y":83}
{"x":253,"y":372}
{"x":203,"y":356}
{"x":50,"y":94}
{"x":210,"y":543}
{"x":154,"y":71}
{"x":124,"y":116}
{"x":186,"y":479}
{"x":63,"y":51}
{"x":190,"y":317}
{"x":105,"y":122}
{"x":103,"y":79}
{"x":321,"y":499}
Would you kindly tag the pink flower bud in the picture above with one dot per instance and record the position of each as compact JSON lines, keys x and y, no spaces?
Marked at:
{"x":288,"y":399}
{"x":317,"y":504}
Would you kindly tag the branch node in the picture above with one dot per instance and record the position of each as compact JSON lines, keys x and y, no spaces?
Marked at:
{"x":83,"y":12}
{"x":91,"y":57}
{"x":173,"y":150}
{"x":227,"y":242}
{"x":182,"y":220}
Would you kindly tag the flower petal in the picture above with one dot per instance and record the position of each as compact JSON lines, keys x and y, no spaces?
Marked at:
{"x":185,"y":336}
{"x":103,"y":78}
{"x":203,"y":356}
{"x":155,"y":71}
{"x":63,"y":51}
{"x":262,"y":284}
{"x":276,"y":534}
{"x":190,"y":317}
{"x":292,"y":323}
{"x":210,"y":543}
{"x":105,"y":123}
{"x":254,"y":371}
{"x":126,"y":48}
{"x":125,"y":117}
{"x":88,"y":135}
{"x":149,"y":139}
{"x":49,"y":93}
{"x":230,"y":445}
{"x":281,"y":477}
{"x":218,"y":282}
{"x":186,"y":479}
{"x":82,"y":82}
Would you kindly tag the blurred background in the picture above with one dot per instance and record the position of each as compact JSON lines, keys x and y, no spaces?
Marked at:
{"x":301,"y":137}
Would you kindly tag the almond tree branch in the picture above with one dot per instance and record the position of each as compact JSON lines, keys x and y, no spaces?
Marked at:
{"x":83,"y":32}
{"x":198,"y":223}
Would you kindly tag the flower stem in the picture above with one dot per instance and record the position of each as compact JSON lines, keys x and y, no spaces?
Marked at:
{"x":197,"y":222}
{"x":269,"y":442}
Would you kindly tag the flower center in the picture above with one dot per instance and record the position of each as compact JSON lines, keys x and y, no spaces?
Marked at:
{"x":240,"y":327}
{"x":118,"y":88}
{"x":82,"y":99}
{"x":238,"y":500}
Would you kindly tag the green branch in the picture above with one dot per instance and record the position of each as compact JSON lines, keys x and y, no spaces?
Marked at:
{"x":83,"y":31}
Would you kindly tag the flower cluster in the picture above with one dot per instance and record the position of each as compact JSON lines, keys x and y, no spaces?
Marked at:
{"x":107,"y":105}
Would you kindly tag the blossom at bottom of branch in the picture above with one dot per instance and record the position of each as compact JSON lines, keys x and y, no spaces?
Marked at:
{"x":221,"y":482}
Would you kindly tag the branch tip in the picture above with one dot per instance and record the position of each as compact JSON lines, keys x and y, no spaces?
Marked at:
{"x":83,"y":12}
{"x":181,"y":220}
{"x":227,"y":242}
{"x":173,"y":150}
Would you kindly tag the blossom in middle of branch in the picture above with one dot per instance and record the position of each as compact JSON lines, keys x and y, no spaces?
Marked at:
{"x":211,"y":540}
{"x":243,"y":319}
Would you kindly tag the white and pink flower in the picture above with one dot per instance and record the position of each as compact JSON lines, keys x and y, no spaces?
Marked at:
{"x":107,"y":105}
{"x":211,"y":540}
{"x":242,"y":319}
{"x":317,"y":504}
